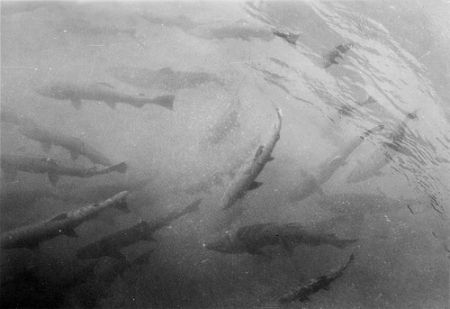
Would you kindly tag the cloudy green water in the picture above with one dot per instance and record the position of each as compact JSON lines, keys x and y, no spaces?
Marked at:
{"x":399,"y":58}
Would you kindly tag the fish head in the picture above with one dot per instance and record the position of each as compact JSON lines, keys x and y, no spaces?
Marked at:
{"x":224,"y":244}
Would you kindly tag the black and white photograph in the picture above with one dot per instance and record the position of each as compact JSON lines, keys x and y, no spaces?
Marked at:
{"x":225,"y":154}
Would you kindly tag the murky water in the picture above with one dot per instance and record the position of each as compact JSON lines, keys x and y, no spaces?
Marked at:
{"x":186,"y":94}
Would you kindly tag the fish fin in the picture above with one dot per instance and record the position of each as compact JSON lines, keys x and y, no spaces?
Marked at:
{"x":71,"y":233}
{"x":76,"y":103}
{"x":106,"y":84}
{"x":10,"y":174}
{"x":270,"y":159}
{"x":111,"y":104}
{"x":254,"y":185}
{"x":46,"y":147}
{"x":74,"y":155}
{"x":164,"y":101}
{"x":53,"y":178}
{"x":59,"y":217}
{"x":121,"y":167}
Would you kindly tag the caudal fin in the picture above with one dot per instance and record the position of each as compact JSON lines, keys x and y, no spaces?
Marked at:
{"x":164,"y":101}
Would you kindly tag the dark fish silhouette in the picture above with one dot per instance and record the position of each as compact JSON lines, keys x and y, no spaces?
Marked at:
{"x":245,"y":178}
{"x":311,"y":184}
{"x":11,"y":164}
{"x":315,"y":285}
{"x":103,"y":92}
{"x":337,"y":52}
{"x":253,"y":238}
{"x":164,"y":78}
{"x":111,"y":245}
{"x":31,"y":235}
{"x":290,"y":37}
{"x":75,"y":146}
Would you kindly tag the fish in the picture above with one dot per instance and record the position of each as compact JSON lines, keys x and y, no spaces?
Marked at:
{"x":337,"y":52}
{"x":102,"y":92}
{"x":311,"y":184}
{"x":383,"y":154}
{"x":245,"y":178}
{"x":11,"y":164}
{"x":164,"y":78}
{"x":223,"y":127}
{"x":30,"y":236}
{"x":252,"y":239}
{"x":111,"y":245}
{"x":315,"y":285}
{"x":76,"y":147}
{"x":290,"y":37}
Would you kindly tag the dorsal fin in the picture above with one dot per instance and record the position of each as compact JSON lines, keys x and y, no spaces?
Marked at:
{"x":105,"y":84}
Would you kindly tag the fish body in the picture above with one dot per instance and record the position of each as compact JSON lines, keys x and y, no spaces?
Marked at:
{"x":315,"y":285}
{"x":102,"y":92}
{"x":253,"y":238}
{"x":164,"y":78}
{"x":311,"y":184}
{"x":31,"y":235}
{"x":11,"y":164}
{"x":75,"y":146}
{"x":245,"y":178}
{"x":111,"y":245}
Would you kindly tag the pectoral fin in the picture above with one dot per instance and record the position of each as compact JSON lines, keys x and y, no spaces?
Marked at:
{"x":53,"y":178}
{"x":46,"y":147}
{"x":76,"y":103}
{"x":74,"y":155}
{"x":254,"y":185}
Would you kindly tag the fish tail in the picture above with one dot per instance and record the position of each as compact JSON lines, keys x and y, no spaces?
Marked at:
{"x":164,"y":101}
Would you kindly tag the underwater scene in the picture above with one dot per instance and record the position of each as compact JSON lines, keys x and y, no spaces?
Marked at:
{"x":225,"y":154}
